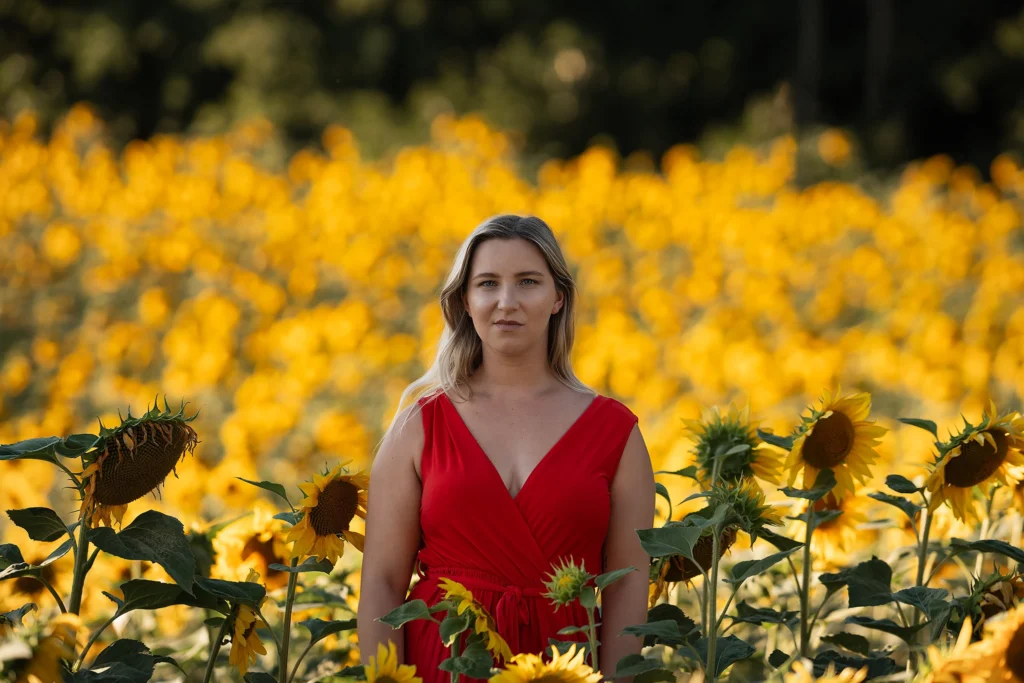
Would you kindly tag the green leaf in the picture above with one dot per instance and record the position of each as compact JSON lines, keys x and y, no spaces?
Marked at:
{"x":588,"y":597}
{"x":764,"y":615}
{"x":246,"y":593}
{"x":931,"y":601}
{"x":900,"y":484}
{"x":264,"y":677}
{"x":123,"y":661}
{"x":453,"y":625}
{"x":570,"y":630}
{"x":877,"y":666}
{"x":959,"y":546}
{"x":728,"y":649}
{"x":849,"y":641}
{"x":404,"y":613}
{"x":13,"y":618}
{"x":42,"y":524}
{"x":664,"y":631}
{"x":784,"y":442}
{"x":10,"y":554}
{"x":825,"y":482}
{"x":314,"y":596}
{"x":358,"y":672}
{"x":153,"y":537}
{"x":777,"y":658}
{"x":926,"y":425}
{"x":779,"y":541}
{"x":741,"y":571}
{"x":909,"y":508}
{"x":289,"y":517}
{"x":887,"y":626}
{"x":654,"y":676}
{"x":660,"y":490}
{"x":634,"y":665}
{"x":608,"y":578}
{"x":320,"y":629}
{"x":41,"y":448}
{"x":688,"y":472}
{"x":57,"y":553}
{"x":474,"y":662}
{"x":271,"y":486}
{"x":309,"y":565}
{"x":686,"y":626}
{"x":671,"y":539}
{"x":563,"y":646}
{"x":868,"y":582}
{"x":147,"y":594}
{"x":214,"y":621}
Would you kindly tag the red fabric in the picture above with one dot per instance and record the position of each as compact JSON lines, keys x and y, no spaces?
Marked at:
{"x":502,"y":547}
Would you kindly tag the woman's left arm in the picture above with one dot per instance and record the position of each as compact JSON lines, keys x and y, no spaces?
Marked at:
{"x":624,"y":603}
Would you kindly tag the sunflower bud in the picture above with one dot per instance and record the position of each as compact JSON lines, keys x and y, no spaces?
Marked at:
{"x":566,"y":583}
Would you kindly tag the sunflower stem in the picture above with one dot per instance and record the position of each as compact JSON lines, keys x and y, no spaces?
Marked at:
{"x":713,"y":608}
{"x":295,"y":669}
{"x":92,"y":639}
{"x":215,"y":650}
{"x":456,"y":646}
{"x":81,"y":567}
{"x":53,"y":592}
{"x":985,"y":523}
{"x":592,"y":637}
{"x":805,"y":586}
{"x":922,"y":554}
{"x":286,"y":631}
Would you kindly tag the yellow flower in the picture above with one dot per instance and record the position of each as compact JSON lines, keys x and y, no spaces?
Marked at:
{"x":835,"y":539}
{"x":676,"y":568}
{"x":565,"y":668}
{"x":483,"y":622}
{"x":1005,"y":641}
{"x":802,"y":674}
{"x":975,"y":459}
{"x":714,"y":434}
{"x":59,"y":645}
{"x":245,"y":642}
{"x":838,"y":436}
{"x":957,"y":664}
{"x":384,"y":667}
{"x":253,"y":542}
{"x":333,"y":499}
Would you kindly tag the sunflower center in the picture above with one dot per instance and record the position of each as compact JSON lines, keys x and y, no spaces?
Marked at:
{"x":335,"y":508}
{"x":126,"y":475}
{"x":977,"y":461}
{"x":265,"y":550}
{"x":1015,"y":654}
{"x":830,"y":441}
{"x":682,"y":569}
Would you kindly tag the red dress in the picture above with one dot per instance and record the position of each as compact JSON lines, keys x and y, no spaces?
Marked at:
{"x":501,"y":547}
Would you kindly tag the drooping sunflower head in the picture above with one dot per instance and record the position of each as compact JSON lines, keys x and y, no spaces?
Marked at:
{"x":566,"y":582}
{"x":569,"y":667}
{"x":384,"y":668}
{"x":952,"y":662}
{"x":838,"y":436}
{"x":975,"y":459}
{"x":333,"y":499}
{"x":1004,"y":639}
{"x":484,"y":623}
{"x":675,"y":568}
{"x":245,"y":642}
{"x":732,"y":440}
{"x":747,"y":508}
{"x":133,"y":459}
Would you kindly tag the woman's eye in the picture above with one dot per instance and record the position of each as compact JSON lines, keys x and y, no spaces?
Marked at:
{"x":528,"y":279}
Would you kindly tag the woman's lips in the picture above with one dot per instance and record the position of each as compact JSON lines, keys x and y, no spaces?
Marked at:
{"x":508,"y":326}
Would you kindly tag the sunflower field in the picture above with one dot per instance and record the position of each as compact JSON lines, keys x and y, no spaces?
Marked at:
{"x":827,"y":365}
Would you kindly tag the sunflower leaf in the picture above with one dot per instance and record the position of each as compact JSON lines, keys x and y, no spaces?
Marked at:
{"x":741,"y":571}
{"x":309,"y":565}
{"x":153,"y":537}
{"x":289,"y":517}
{"x":320,"y":629}
{"x":868,"y":583}
{"x":406,"y":612}
{"x":779,"y":541}
{"x":901,"y":484}
{"x":664,"y":631}
{"x":58,"y":552}
{"x":777,"y":658}
{"x":671,"y":539}
{"x":357,"y":672}
{"x":926,"y":425}
{"x":608,"y":578}
{"x":849,"y":641}
{"x":263,"y":677}
{"x":146,"y":594}
{"x":13,"y":618}
{"x":123,"y":661}
{"x":730,"y":649}
{"x":660,"y":490}
{"x":784,"y":442}
{"x":474,"y":662}
{"x":634,"y":665}
{"x":271,"y":486}
{"x":887,"y":626}
{"x":910,"y":509}
{"x":454,"y":624}
{"x":688,"y":472}
{"x":10,"y":554}
{"x":42,"y":524}
{"x":248,"y":593}
{"x":958,"y":546}
{"x":931,"y":601}
{"x":686,"y":626}
{"x":764,"y":615}
{"x":877,"y":666}
{"x":824,"y":483}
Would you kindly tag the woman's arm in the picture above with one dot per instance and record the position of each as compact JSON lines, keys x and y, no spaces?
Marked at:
{"x":392,"y":533}
{"x":624,"y":603}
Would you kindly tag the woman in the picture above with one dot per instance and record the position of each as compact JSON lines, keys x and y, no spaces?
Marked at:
{"x":506,"y":464}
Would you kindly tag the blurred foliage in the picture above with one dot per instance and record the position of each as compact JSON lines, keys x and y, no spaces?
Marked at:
{"x":911,"y":79}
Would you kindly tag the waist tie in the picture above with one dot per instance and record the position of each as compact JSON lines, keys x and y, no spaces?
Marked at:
{"x":511,"y":611}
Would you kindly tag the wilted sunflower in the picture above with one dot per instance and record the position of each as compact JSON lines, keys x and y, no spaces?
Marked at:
{"x":675,"y":568}
{"x":1002,"y":596}
{"x":836,"y":436}
{"x":133,"y":459}
{"x":245,"y":642}
{"x":58,"y":646}
{"x":333,"y":499}
{"x":975,"y":459}
{"x":563,"y":668}
{"x":483,"y":622}
{"x":733,"y":439}
{"x":1004,"y":642}
{"x":384,"y":667}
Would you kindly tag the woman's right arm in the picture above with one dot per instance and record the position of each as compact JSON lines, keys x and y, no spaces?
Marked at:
{"x":392,"y":533}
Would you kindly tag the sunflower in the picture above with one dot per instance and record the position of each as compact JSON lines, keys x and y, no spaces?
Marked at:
{"x":483,"y":622}
{"x":675,"y":568}
{"x":332,"y":501}
{"x":384,"y":667}
{"x":1001,"y":596}
{"x":976,"y":459}
{"x":1005,"y":643}
{"x":834,"y":539}
{"x":566,"y":583}
{"x":245,"y":642}
{"x":748,"y":510}
{"x":944,"y":664}
{"x":563,"y":668}
{"x":133,"y":459}
{"x":733,"y":439}
{"x":802,"y":674}
{"x":836,"y":436}
{"x":58,"y":646}
{"x":253,"y":542}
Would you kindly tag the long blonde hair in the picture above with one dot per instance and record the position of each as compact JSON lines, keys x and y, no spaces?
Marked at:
{"x":460,"y":351}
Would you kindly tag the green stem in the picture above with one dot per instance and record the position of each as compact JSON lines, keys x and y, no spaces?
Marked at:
{"x":53,"y":592}
{"x":805,"y":588}
{"x":298,"y":661}
{"x":92,"y":639}
{"x":713,"y":608}
{"x":592,"y":636}
{"x":286,"y":632}
{"x":215,"y":650}
{"x":273,"y":634}
{"x":81,"y":567}
{"x":922,"y":554}
{"x":985,"y":523}
{"x":456,"y":646}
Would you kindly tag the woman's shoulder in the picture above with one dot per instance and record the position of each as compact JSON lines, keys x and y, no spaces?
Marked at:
{"x":616,"y":406}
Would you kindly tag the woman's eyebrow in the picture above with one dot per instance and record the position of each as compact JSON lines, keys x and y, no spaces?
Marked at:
{"x":520,"y":274}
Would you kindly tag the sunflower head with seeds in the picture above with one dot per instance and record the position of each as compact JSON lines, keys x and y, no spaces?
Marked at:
{"x":732,"y":441}
{"x":836,"y":435}
{"x":133,"y":459}
{"x":975,"y":459}
{"x":333,"y":499}
{"x":675,"y":568}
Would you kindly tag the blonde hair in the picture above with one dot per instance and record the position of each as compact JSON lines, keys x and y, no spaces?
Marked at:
{"x":460,"y":351}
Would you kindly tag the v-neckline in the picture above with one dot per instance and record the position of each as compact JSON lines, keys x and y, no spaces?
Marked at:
{"x":490,"y":463}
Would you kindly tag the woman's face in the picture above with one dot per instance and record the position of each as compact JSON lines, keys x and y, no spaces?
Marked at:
{"x":509,"y":280}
